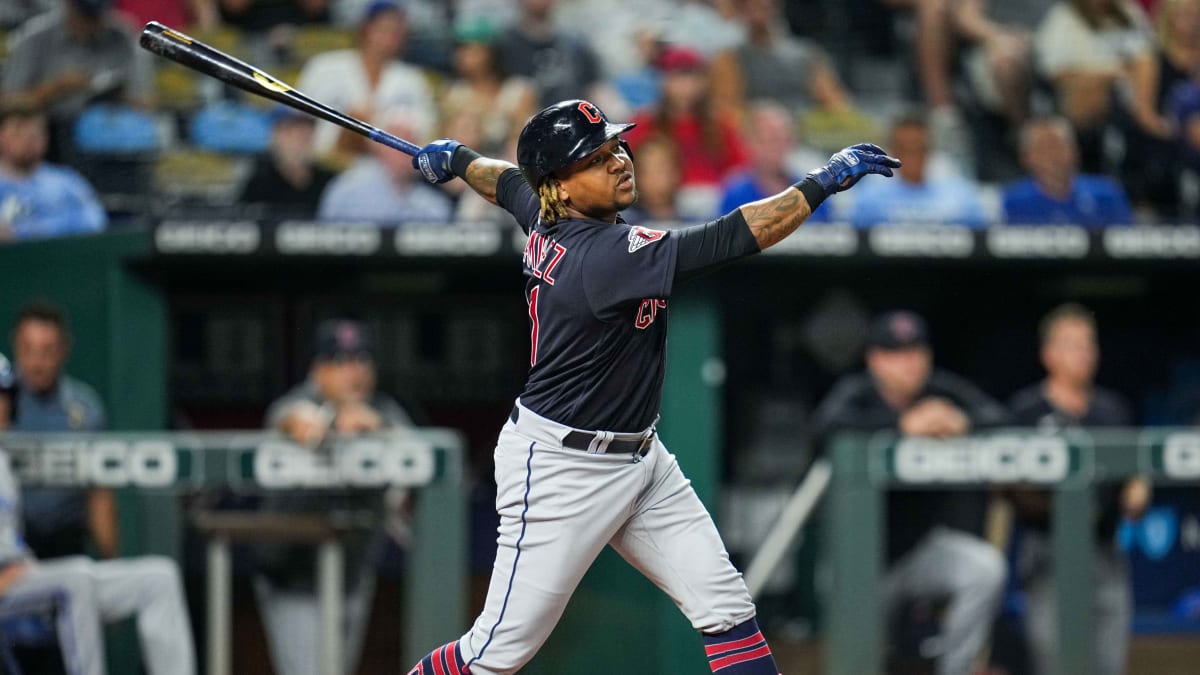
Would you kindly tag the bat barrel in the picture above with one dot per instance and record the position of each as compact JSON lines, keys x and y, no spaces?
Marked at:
{"x":194,"y":54}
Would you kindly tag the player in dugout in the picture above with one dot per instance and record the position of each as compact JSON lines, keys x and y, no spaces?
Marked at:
{"x":579,"y":465}
{"x":83,"y":594}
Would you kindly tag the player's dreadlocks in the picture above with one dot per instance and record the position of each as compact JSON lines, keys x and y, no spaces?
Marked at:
{"x":552,"y":207}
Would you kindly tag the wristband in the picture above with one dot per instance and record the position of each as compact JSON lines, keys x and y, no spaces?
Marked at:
{"x":461,"y":159}
{"x":813,"y":193}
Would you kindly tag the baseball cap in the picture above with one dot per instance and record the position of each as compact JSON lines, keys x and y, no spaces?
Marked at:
{"x":92,"y":7}
{"x":344,"y":338}
{"x":676,"y":57}
{"x":898,"y":329}
{"x":377,"y":7}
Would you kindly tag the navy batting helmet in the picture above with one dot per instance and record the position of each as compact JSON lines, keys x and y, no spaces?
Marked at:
{"x":564,"y":133}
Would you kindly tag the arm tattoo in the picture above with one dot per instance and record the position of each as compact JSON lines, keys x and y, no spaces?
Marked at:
{"x":774,"y":218}
{"x":483,"y":174}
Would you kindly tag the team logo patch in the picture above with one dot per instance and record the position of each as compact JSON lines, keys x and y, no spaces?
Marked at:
{"x":640,"y":236}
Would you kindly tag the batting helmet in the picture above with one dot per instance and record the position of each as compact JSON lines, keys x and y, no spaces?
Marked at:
{"x":565,"y":132}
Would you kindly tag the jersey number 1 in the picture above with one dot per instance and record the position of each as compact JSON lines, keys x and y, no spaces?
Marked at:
{"x":533,"y":324}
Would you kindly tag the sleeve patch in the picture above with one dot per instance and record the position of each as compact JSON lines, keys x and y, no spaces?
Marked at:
{"x":640,"y":236}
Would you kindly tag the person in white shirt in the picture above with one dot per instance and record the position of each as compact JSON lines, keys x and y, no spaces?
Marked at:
{"x":367,"y":80}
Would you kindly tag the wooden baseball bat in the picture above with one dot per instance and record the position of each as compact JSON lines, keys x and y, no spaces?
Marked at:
{"x":198,"y":56}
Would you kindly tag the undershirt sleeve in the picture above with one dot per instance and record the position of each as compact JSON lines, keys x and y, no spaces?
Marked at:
{"x":704,"y":248}
{"x":514,"y":195}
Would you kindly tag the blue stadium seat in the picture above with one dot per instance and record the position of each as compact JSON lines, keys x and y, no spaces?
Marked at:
{"x":231,"y":126}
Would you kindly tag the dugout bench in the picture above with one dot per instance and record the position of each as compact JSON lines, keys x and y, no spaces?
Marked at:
{"x":159,"y":468}
{"x":865,"y":466}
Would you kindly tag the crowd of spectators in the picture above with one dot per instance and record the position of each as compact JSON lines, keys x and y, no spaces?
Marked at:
{"x":1035,"y":112}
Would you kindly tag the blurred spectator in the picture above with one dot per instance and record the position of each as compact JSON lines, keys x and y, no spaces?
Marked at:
{"x":85,"y":594}
{"x":771,"y":143}
{"x":918,"y":197}
{"x":338,"y":400}
{"x":261,"y":16}
{"x":709,"y":142}
{"x":997,"y":76}
{"x":1055,"y":193}
{"x":192,"y":14}
{"x":657,"y":183}
{"x":1089,"y":51}
{"x":368,"y":80}
{"x":771,"y":64}
{"x":1151,"y":165}
{"x":482,"y":89}
{"x":68,"y":58}
{"x":561,"y":66}
{"x":57,"y":520}
{"x":287,"y":180}
{"x":382,"y":187}
{"x":1184,"y":109}
{"x":1069,"y":398}
{"x":934,"y":546}
{"x":13,"y":13}
{"x":38,"y":199}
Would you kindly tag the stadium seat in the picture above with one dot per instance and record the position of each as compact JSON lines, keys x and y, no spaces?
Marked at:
{"x":315,"y":39}
{"x":193,"y":174}
{"x":231,"y":126}
{"x":116,"y":147}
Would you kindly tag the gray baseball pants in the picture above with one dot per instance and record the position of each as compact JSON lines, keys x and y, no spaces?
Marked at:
{"x":967,"y":570}
{"x":88,"y":593}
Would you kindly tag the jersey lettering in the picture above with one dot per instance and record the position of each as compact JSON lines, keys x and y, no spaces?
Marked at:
{"x":648,"y":312}
{"x":559,"y":252}
{"x":591,"y":112}
{"x":537,"y":249}
{"x":533,"y":325}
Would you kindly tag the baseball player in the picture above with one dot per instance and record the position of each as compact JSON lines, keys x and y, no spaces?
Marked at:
{"x":578,"y":463}
{"x":85,"y":594}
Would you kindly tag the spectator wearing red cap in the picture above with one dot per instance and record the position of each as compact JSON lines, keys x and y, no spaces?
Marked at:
{"x":709,"y":143}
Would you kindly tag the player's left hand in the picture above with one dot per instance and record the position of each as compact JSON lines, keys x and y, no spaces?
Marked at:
{"x":849,"y":166}
{"x":433,"y":160}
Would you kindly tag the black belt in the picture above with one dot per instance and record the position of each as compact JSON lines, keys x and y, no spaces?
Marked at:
{"x":582,"y":440}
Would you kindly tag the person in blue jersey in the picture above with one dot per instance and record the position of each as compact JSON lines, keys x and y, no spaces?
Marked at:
{"x":39,"y":199}
{"x":579,"y":465}
{"x":1054,"y":192}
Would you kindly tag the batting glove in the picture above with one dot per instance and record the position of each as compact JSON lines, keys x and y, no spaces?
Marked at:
{"x":849,"y":166}
{"x":434,"y":160}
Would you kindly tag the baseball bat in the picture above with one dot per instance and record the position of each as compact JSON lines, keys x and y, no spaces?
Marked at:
{"x":194,"y":54}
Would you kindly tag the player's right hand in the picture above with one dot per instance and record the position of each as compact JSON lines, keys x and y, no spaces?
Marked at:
{"x":849,"y":166}
{"x":433,"y":160}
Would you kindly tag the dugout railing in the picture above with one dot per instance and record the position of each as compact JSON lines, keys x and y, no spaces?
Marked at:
{"x":156,"y":471}
{"x":866,"y":466}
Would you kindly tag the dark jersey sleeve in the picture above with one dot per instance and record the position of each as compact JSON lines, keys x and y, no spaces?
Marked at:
{"x":850,"y":406}
{"x":704,"y":248}
{"x":514,"y":195}
{"x":983,"y":411}
{"x":628,"y":264}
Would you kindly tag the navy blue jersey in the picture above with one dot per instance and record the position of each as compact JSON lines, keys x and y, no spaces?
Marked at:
{"x":597,"y":295}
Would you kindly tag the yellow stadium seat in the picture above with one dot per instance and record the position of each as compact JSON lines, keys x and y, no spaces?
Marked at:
{"x":198,"y":174}
{"x":312,"y":40}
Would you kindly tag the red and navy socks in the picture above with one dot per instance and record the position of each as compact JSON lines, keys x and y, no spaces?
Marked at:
{"x":741,"y":650}
{"x":445,"y":660}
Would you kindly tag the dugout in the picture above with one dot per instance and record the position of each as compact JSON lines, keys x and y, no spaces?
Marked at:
{"x":199,"y":324}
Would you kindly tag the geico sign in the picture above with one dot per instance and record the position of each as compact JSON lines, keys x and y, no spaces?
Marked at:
{"x":1181,"y":456}
{"x":999,"y":459}
{"x":102,"y":463}
{"x":361,"y":463}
